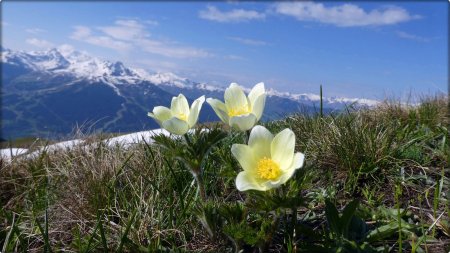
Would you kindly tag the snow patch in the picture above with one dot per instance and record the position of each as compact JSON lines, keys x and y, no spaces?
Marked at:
{"x":65,"y":145}
{"x":123,"y":141}
{"x":135,"y":138}
{"x":7,"y":154}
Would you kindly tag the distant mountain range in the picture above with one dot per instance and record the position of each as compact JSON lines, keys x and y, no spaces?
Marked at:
{"x":49,"y":93}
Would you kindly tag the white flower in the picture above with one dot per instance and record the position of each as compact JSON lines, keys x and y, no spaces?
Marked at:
{"x":268,"y":161}
{"x":179,"y":118}
{"x":239,"y":111}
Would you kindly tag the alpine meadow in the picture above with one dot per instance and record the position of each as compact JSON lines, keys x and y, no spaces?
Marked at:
{"x":285,"y":126}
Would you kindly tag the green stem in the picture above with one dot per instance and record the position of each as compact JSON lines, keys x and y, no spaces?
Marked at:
{"x":269,"y":237}
{"x":398,"y":192}
{"x":200,"y":185}
{"x":186,"y":139}
{"x":247,"y":136}
{"x":197,"y":173}
{"x":321,"y":102}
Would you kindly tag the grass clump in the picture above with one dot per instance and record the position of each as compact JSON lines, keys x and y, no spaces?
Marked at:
{"x":375,"y":180}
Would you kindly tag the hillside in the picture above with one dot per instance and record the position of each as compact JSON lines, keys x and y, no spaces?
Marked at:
{"x":50,"y":93}
{"x":374,"y":180}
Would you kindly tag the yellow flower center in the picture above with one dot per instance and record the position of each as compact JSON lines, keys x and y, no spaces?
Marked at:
{"x":268,"y":169}
{"x":238,"y":111}
{"x":182,"y":116}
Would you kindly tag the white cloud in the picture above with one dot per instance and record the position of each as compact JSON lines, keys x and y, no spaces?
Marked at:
{"x":66,"y":49}
{"x":138,"y":20}
{"x":83,"y":33}
{"x":35,"y":30}
{"x":249,"y":42}
{"x":151,"y":22}
{"x":405,"y":35}
{"x":344,"y":15}
{"x":40,"y":43}
{"x":169,"y":50}
{"x":158,"y":65}
{"x":125,"y":30}
{"x":234,"y":57}
{"x":233,"y":16}
{"x":128,"y":34}
{"x":80,"y":32}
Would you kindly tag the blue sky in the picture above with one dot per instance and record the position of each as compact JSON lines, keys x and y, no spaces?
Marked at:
{"x":372,"y":49}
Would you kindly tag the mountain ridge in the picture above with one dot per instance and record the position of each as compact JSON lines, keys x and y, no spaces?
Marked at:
{"x":47,"y":93}
{"x":84,"y":65}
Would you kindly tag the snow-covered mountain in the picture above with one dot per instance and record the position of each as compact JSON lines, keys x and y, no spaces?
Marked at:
{"x":81,"y":65}
{"x":65,"y":60}
{"x":52,"y":91}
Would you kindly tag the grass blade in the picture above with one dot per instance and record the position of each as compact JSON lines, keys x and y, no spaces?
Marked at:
{"x":44,"y":233}
{"x":127,"y":230}
{"x":102,"y":232}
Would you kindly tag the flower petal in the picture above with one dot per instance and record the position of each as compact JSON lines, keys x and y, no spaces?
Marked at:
{"x":176,"y":126}
{"x":244,"y":155}
{"x":179,"y":105}
{"x":160,"y":114}
{"x":297,"y":163}
{"x":245,"y":181}
{"x":243,"y":122}
{"x":195,"y":111}
{"x":282,"y":148}
{"x":235,"y":98}
{"x":258,"y":106}
{"x":219,"y":108}
{"x":259,"y":141}
{"x":272,"y":184}
{"x":257,"y":91}
{"x":299,"y":160}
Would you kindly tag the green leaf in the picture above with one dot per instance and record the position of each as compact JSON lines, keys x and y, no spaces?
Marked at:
{"x":357,"y":229}
{"x":346,"y":218}
{"x":332,"y":217}
{"x":383,"y":232}
{"x":232,"y":212}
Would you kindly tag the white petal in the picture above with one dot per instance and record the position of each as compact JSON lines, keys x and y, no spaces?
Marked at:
{"x":245,"y":181}
{"x":297,"y":163}
{"x":299,"y":160}
{"x":257,"y":91}
{"x":219,"y":108}
{"x":259,"y":141}
{"x":244,"y":155}
{"x":258,"y":106}
{"x":282,"y":148}
{"x":272,"y":184}
{"x":180,"y":105}
{"x":160,"y":114}
{"x":235,"y":97}
{"x":244,"y":122}
{"x":195,"y":111}
{"x":176,"y":126}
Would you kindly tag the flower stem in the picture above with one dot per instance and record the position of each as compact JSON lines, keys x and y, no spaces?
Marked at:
{"x":197,"y":173}
{"x":273,"y":228}
{"x":247,"y":136}
{"x":200,"y":185}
